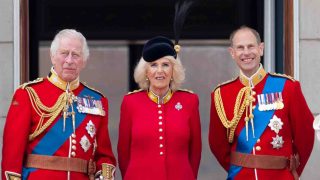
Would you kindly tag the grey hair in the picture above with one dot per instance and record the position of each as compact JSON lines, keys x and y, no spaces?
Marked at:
{"x":70,"y":33}
{"x":140,"y":73}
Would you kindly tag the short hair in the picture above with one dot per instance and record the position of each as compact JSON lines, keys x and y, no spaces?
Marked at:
{"x":254,"y":32}
{"x":140,"y":73}
{"x":70,"y":33}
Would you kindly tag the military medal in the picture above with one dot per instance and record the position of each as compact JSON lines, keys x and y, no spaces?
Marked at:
{"x":270,"y":101}
{"x":280,"y":100}
{"x":178,"y":106}
{"x":89,"y":105}
{"x":273,"y":101}
{"x":85,"y":143}
{"x":277,"y":142}
{"x":91,"y":129}
{"x":275,"y":124}
{"x":260,"y":103}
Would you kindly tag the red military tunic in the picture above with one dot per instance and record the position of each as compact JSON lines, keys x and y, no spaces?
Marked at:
{"x":90,"y":139}
{"x":296,"y":131}
{"x":159,"y":141}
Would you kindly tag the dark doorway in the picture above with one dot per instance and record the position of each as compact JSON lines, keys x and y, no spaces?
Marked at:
{"x":137,"y":20}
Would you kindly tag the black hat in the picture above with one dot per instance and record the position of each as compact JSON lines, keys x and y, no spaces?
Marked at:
{"x":157,"y":48}
{"x":160,"y":46}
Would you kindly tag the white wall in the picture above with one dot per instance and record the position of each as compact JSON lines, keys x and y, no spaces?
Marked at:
{"x":309,"y":67}
{"x":6,"y":59}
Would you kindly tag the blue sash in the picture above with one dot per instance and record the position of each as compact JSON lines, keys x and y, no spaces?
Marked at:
{"x":261,"y":121}
{"x":55,"y":137}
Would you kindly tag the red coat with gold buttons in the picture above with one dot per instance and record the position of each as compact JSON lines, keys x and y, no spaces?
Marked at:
{"x":22,"y":120}
{"x":159,"y":141}
{"x":296,"y":131}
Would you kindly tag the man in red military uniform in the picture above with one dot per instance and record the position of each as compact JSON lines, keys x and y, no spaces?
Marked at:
{"x":57,"y":127}
{"x":261,"y":126}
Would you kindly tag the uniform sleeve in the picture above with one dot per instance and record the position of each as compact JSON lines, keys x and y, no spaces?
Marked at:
{"x":104,"y":152}
{"x":195,"y":144}
{"x":15,"y":135}
{"x":301,"y":120}
{"x":124,"y":138}
{"x":218,"y":141}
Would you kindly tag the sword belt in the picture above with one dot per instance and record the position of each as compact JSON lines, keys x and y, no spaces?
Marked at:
{"x":265,"y":162}
{"x":57,"y":163}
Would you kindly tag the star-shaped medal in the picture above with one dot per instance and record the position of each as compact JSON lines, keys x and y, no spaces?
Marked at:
{"x":85,"y":143}
{"x":275,"y":124}
{"x":277,"y":142}
{"x":91,"y":129}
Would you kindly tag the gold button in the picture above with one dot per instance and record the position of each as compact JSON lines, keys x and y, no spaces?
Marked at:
{"x":73,"y":147}
{"x":159,"y":106}
{"x":73,"y":154}
{"x":254,"y":93}
{"x":258,"y":140}
{"x":160,"y":117}
{"x":160,"y":123}
{"x":258,"y":148}
{"x":161,"y":145}
{"x":160,"y":130}
{"x":73,"y":135}
{"x":160,"y":112}
{"x":160,"y":137}
{"x":74,"y":141}
{"x":161,"y":153}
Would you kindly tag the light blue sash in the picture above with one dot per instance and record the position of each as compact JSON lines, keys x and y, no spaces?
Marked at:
{"x":261,"y":121}
{"x":55,"y":137}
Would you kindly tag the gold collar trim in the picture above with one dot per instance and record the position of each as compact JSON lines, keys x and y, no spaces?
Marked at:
{"x":57,"y":81}
{"x":155,"y":98}
{"x":254,"y":79}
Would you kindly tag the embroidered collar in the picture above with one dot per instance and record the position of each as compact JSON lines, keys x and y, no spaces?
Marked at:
{"x":254,"y":79}
{"x":57,"y":81}
{"x":155,"y":98}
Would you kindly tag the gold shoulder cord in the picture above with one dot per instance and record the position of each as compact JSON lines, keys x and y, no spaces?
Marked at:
{"x":44,"y":111}
{"x":237,"y":111}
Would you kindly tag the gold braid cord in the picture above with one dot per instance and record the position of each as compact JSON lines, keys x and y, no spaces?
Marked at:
{"x":237,"y":111}
{"x":44,"y":111}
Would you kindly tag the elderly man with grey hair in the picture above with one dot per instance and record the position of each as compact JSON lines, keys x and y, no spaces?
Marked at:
{"x":57,"y":127}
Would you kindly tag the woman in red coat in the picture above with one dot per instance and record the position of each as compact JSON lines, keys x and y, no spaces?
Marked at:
{"x":159,"y":131}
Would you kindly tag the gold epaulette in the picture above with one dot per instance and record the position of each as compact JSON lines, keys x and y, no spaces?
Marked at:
{"x":85,"y":84}
{"x":224,"y":83}
{"x":283,"y":75}
{"x":31,"y":82}
{"x":186,"y":90}
{"x":135,"y":91}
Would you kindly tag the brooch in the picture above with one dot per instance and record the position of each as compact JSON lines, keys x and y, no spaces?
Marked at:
{"x":178,"y":106}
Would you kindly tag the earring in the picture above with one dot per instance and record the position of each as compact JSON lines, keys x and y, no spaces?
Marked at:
{"x":171,"y":79}
{"x":147,"y":79}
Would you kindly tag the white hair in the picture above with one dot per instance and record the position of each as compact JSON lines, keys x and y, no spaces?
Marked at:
{"x":70,"y":33}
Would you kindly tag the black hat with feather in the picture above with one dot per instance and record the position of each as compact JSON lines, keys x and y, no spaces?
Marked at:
{"x":161,"y":46}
